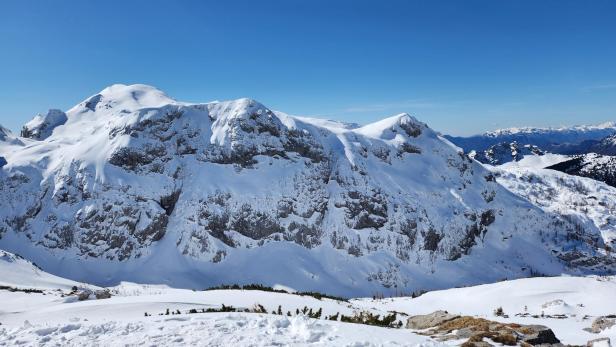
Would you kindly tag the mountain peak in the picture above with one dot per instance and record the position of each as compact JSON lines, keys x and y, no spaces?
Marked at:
{"x":42,"y":126}
{"x":8,"y":138}
{"x":126,"y":97}
{"x":401,"y":118}
{"x":389,"y":127}
{"x":4,"y":132}
{"x":136,"y":91}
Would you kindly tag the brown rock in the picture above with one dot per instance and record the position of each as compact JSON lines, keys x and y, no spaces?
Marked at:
{"x":83,"y":295}
{"x":443,"y":326}
{"x":431,"y":320}
{"x":602,"y":323}
{"x":103,"y":294}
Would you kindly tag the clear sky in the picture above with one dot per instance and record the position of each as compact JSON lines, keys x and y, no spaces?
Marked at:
{"x":461,"y":66}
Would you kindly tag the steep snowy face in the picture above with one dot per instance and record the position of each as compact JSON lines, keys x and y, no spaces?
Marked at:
{"x":141,"y":187}
{"x":566,"y":140}
{"x":506,"y":152}
{"x":41,"y":126}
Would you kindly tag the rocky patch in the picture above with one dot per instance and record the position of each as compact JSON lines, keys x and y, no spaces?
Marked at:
{"x":602,"y":323}
{"x":443,"y":326}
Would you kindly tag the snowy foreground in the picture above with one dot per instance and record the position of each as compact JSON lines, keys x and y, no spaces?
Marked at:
{"x":53,"y":317}
{"x":34,"y":319}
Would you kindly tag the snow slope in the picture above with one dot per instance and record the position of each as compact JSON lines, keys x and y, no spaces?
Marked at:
{"x":8,"y":141}
{"x":55,"y":318}
{"x":121,"y":321}
{"x":585,"y":200}
{"x":136,"y":186}
{"x":596,"y":166}
{"x":535,"y":161}
{"x":581,"y":299}
{"x":17,"y":272}
{"x":237,"y":329}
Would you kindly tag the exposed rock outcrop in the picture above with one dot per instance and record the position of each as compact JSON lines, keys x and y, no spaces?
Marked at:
{"x":602,"y":323}
{"x":444,"y":327}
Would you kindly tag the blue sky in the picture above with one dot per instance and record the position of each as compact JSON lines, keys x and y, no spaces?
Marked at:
{"x":461,"y":66}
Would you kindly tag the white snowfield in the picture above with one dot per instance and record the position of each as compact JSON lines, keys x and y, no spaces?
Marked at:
{"x":120,"y":321}
{"x":581,"y":299}
{"x":49,"y":319}
{"x":53,"y":318}
{"x":17,"y":272}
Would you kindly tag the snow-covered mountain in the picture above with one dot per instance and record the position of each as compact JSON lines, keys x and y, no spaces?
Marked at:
{"x":504,"y":152}
{"x":596,"y":166}
{"x":607,"y":146}
{"x":564,"y":140}
{"x":7,"y":138}
{"x":583,"y":199}
{"x":41,"y":126}
{"x":137,"y":186}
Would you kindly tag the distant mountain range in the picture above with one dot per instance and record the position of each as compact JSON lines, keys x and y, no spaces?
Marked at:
{"x":566,"y":140}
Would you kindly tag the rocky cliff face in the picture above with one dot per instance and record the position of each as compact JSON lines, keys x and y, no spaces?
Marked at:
{"x":137,"y":186}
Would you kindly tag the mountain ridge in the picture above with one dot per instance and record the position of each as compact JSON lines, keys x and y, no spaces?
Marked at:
{"x":137,"y":186}
{"x":560,"y":140}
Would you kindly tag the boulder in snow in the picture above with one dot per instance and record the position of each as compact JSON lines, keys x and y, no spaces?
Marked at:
{"x":601,"y":323}
{"x":87,"y":294}
{"x":429,"y":320}
{"x":539,"y":335}
{"x":103,"y":294}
